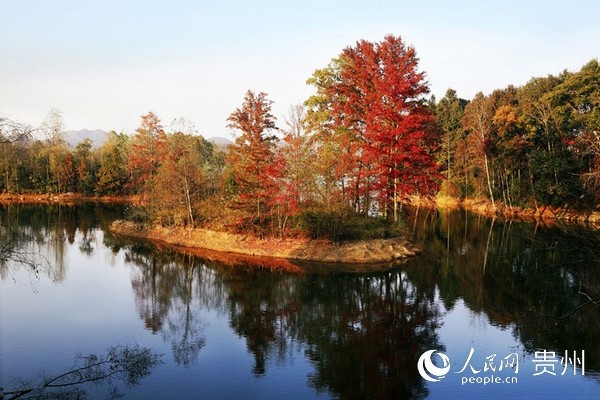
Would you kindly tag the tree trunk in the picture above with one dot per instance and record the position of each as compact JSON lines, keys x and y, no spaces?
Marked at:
{"x":189,"y":201}
{"x":489,"y":183}
{"x":448,"y":156}
{"x":395,"y":199}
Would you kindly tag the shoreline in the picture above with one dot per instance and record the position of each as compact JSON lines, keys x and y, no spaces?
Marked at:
{"x":64,"y":198}
{"x":480,"y":206}
{"x":484,"y":207}
{"x":292,"y":250}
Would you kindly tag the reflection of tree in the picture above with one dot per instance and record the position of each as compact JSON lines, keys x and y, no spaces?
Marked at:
{"x":522,"y":276}
{"x":86,"y":243}
{"x":153,"y":287}
{"x":262,"y":309}
{"x":164,"y":287}
{"x":186,"y":331}
{"x":171,"y":290}
{"x":363,"y":334}
{"x":37,"y":235}
{"x":13,"y":250}
{"x":128,"y":364}
{"x":12,"y":243}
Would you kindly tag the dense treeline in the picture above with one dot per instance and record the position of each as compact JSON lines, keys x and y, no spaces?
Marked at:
{"x":536,"y":145}
{"x":168,"y":169}
{"x":344,"y":160}
{"x":339,"y":168}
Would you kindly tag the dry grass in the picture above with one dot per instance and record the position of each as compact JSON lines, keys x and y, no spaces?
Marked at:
{"x":356,"y":252}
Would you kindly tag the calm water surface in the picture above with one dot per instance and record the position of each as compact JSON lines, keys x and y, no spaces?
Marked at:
{"x":495,"y":291}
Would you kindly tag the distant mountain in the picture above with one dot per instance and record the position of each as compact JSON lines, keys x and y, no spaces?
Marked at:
{"x":97,"y":136}
{"x":221,"y":142}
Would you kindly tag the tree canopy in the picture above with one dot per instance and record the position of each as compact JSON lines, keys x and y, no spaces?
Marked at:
{"x":366,"y":139}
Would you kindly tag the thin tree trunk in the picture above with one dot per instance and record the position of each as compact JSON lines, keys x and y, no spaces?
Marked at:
{"x":489,"y":183}
{"x":448,"y":156}
{"x":396,"y":199}
{"x":189,"y":201}
{"x":487,"y":246}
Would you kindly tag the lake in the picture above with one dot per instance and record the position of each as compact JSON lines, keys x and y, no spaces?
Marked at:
{"x":490,"y":309}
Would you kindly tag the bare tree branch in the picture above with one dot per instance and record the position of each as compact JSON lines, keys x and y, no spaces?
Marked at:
{"x":13,"y":131}
{"x":126,"y":364}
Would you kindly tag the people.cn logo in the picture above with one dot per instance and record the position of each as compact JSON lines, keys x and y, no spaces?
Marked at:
{"x":428,"y":370}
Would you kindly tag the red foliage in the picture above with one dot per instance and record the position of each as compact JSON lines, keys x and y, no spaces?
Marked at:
{"x":148,"y":150}
{"x":257,"y":167}
{"x":380,"y":99}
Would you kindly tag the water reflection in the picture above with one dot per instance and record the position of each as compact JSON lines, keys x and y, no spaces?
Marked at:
{"x":361,"y":333}
{"x":35,"y":236}
{"x":365,"y":334}
{"x":126,"y":365}
{"x":167,"y":290}
{"x":535,"y":280}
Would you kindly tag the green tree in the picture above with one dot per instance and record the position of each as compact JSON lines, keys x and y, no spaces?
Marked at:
{"x":112,"y":174}
{"x":449,"y":113}
{"x":477,"y":120}
{"x":552,"y":164}
{"x":60,"y":162}
{"x":87,"y":167}
{"x":512,"y":147}
{"x":13,"y":159}
{"x":334,"y":146}
{"x":298,"y":151}
{"x":38,"y":167}
{"x":579,"y":95}
{"x":13,"y":150}
{"x":179,"y":181}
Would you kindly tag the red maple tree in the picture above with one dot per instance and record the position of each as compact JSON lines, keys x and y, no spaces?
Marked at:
{"x":380,"y":98}
{"x":257,"y":166}
{"x":148,"y":150}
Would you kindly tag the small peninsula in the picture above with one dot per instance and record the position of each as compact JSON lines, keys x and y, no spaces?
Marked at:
{"x":371,"y":251}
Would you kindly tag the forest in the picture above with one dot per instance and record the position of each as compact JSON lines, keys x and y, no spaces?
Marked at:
{"x":342,"y":163}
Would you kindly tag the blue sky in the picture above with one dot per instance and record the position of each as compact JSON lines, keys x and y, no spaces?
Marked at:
{"x":105,"y":63}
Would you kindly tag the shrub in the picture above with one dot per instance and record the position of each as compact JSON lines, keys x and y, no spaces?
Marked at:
{"x":138,"y":214}
{"x":346,"y":225}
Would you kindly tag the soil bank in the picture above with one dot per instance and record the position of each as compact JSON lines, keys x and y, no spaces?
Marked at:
{"x":484,"y":207}
{"x":374,"y":251}
{"x":64,"y":198}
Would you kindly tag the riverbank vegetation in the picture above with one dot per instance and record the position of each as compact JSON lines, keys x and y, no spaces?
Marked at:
{"x":341,"y":164}
{"x":533,"y":146}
